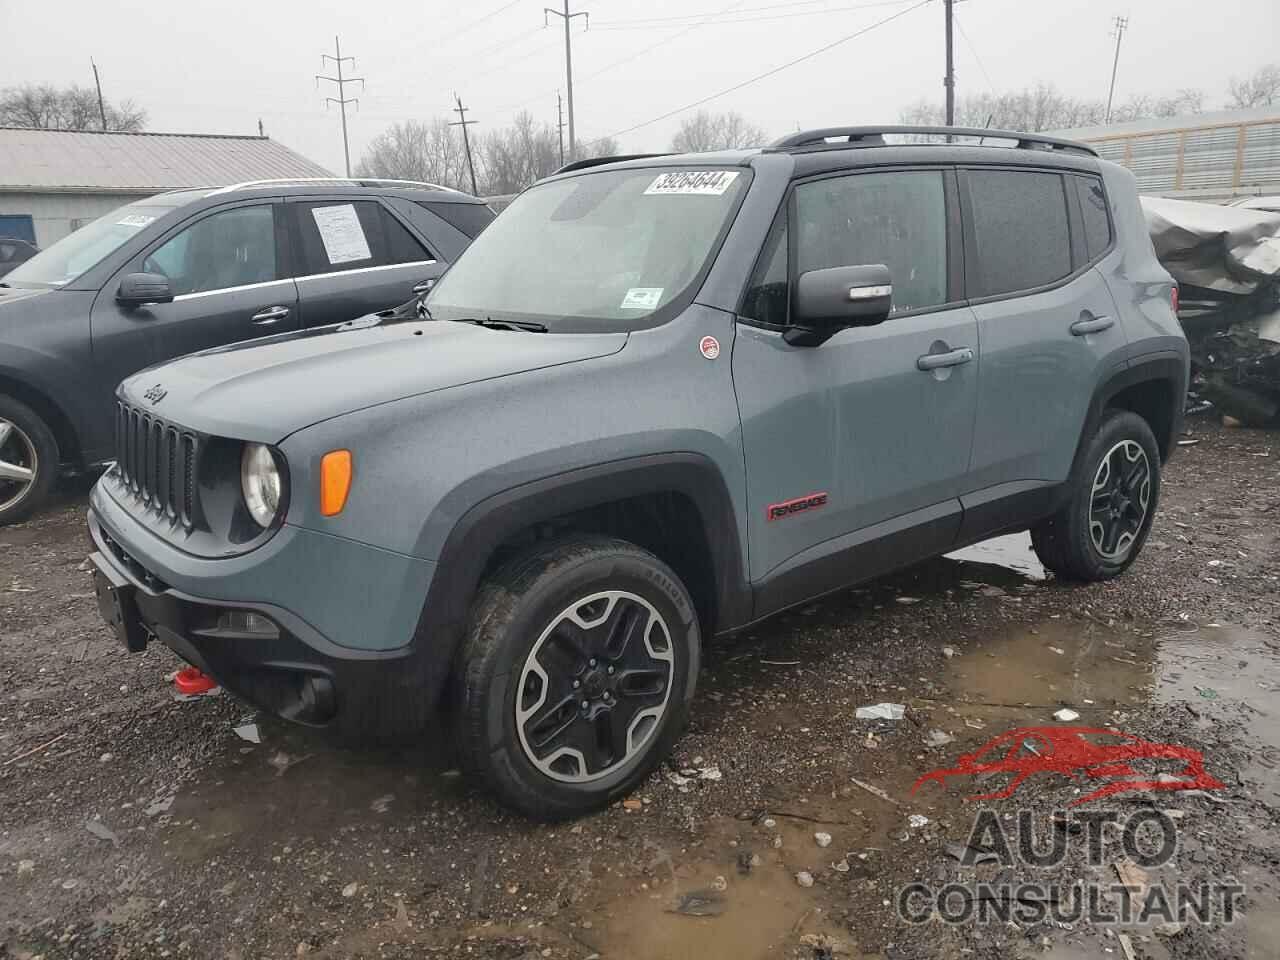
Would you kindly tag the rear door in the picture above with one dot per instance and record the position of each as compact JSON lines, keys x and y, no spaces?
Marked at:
{"x":1046,"y":321}
{"x":229,"y":271}
{"x":355,"y":256}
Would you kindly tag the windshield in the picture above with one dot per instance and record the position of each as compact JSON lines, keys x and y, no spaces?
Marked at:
{"x":86,"y":248}
{"x":601,"y":250}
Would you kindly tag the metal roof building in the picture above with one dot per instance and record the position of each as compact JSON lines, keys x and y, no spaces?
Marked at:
{"x":54,"y":181}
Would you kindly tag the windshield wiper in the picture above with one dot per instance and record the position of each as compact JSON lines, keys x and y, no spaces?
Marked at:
{"x":489,"y":323}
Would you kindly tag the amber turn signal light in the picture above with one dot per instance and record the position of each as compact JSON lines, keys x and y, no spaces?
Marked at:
{"x":335,"y":481}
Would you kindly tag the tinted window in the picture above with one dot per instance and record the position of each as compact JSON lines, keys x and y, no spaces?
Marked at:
{"x":1020,"y":225}
{"x":230,"y":248}
{"x":351,"y":235}
{"x":767,"y":297}
{"x":1093,"y":210}
{"x":470,"y":218}
{"x":898,"y":219}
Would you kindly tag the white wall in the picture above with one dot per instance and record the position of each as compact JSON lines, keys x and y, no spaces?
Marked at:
{"x":54,"y":213}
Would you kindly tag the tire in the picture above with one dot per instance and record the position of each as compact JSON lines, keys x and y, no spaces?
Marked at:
{"x":632,"y":647}
{"x":26,"y":443}
{"x":1087,"y":540}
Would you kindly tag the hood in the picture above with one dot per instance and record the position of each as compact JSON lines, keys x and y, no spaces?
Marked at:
{"x":264,"y":390}
{"x":10,"y":296}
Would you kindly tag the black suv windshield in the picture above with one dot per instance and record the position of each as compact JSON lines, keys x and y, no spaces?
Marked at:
{"x":88,"y":246}
{"x":603,"y":250}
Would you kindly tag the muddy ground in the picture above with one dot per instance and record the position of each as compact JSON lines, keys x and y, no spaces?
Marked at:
{"x":132,"y":825}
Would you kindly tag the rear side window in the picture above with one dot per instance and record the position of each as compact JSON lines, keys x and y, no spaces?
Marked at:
{"x":1093,"y":211}
{"x":352,"y":235}
{"x":469,"y":218}
{"x":898,"y":219}
{"x":1020,"y":229}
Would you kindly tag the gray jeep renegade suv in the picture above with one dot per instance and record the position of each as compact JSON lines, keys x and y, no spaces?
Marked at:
{"x":656,"y":400}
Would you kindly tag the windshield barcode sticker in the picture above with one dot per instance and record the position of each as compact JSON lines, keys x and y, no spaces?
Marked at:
{"x":134,"y":220}
{"x":692,"y":183}
{"x":642,"y":298}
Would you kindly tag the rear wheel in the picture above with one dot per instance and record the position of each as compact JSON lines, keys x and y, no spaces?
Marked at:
{"x":579,"y":666}
{"x":1102,"y":529}
{"x":28,"y":460}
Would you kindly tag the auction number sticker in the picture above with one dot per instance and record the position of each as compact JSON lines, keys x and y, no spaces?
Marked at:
{"x":642,"y":298}
{"x":692,"y":183}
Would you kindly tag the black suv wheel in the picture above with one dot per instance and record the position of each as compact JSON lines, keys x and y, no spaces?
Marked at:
{"x":28,"y":460}
{"x":578,"y":669}
{"x":1101,"y":530}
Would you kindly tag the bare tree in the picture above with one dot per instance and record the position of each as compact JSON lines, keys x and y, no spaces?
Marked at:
{"x":706,"y":131}
{"x":1044,"y":107}
{"x":1260,"y":89}
{"x":43,"y":107}
{"x":431,"y":152}
{"x":516,"y":156}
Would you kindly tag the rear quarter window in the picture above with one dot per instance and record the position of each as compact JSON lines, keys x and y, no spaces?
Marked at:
{"x":1020,"y":230}
{"x":1093,"y":213}
{"x":469,"y":218}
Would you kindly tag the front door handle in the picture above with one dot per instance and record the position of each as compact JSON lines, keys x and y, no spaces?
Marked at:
{"x":267,"y":317}
{"x":1092,"y":325}
{"x":936,"y":361}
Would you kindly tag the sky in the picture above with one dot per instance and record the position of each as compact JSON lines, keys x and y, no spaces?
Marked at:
{"x":218,"y":66}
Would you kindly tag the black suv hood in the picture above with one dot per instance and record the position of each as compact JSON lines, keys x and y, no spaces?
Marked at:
{"x":264,"y":390}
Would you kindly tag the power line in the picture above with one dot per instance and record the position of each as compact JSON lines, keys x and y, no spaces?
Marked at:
{"x":659,"y":23}
{"x":341,"y":99}
{"x":1121,"y":24}
{"x":475,"y":23}
{"x":775,"y":70}
{"x":977,"y":59}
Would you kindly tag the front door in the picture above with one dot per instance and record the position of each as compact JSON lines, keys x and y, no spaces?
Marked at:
{"x":230,"y":280}
{"x":861,"y":440}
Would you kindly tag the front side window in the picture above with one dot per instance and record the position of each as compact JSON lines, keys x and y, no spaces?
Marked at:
{"x":1020,"y":228}
{"x":604,"y":250}
{"x":898,"y":219}
{"x":230,"y":248}
{"x":352,"y":235}
{"x":83,"y":250}
{"x":768,"y":296}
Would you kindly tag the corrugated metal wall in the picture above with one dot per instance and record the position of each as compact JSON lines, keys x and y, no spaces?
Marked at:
{"x":56,"y":214}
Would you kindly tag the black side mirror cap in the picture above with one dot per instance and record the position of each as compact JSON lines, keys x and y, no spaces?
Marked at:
{"x":137,"y":289}
{"x":831,"y":299}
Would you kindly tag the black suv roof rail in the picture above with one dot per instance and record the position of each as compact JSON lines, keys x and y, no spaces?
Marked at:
{"x":353,"y":181}
{"x":874,"y":137}
{"x":598,"y":161}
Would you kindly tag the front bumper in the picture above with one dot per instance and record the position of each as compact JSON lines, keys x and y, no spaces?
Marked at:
{"x":300,"y":673}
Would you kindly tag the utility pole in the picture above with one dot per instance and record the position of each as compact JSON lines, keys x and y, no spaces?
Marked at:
{"x":949,"y":81}
{"x":102,"y":110}
{"x":547,"y":12}
{"x":560,"y":124}
{"x":261,"y":132}
{"x":341,"y":99}
{"x":463,"y":122}
{"x":1121,"y":24}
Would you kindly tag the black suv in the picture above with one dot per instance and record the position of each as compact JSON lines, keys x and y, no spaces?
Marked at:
{"x":189,"y":270}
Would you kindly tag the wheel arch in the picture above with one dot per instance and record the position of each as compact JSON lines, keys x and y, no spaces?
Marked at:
{"x":59,"y":421}
{"x":615,"y":498}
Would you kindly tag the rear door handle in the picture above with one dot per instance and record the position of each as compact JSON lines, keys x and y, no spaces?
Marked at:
{"x":267,"y":317}
{"x":936,"y":361}
{"x":423,"y":286}
{"x":1093,"y":325}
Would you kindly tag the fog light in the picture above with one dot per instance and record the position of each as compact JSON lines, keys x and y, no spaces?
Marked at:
{"x":246,"y":621}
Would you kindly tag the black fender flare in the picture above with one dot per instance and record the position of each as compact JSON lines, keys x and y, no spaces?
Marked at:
{"x":487,"y":524}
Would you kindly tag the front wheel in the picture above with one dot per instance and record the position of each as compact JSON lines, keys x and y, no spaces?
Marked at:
{"x":28,"y":460}
{"x":576,"y":677}
{"x":1104,"y":525}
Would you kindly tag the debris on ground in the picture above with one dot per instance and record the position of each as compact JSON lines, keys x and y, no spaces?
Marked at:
{"x":938,"y":738}
{"x":873,"y":790}
{"x":350,"y":889}
{"x":1132,"y":877}
{"x":881,"y":711}
{"x":1066,"y":715}
{"x":804,"y":878}
{"x":102,"y":831}
{"x":700,"y":903}
{"x":1126,"y":947}
{"x":281,"y":762}
{"x":159,"y":806}
{"x":917,"y":820}
{"x":249,"y":732}
{"x":971,"y":855}
{"x":822,"y":839}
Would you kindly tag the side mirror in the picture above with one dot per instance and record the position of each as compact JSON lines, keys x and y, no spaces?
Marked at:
{"x":829,"y":300}
{"x":137,"y":289}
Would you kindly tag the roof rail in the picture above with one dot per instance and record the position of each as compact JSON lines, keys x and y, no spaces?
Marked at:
{"x":598,"y":161}
{"x":354,"y":181}
{"x":874,"y":137}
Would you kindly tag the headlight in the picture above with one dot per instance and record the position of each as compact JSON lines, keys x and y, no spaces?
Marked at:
{"x":262,"y":484}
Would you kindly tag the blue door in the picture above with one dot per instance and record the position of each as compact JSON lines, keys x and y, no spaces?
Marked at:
{"x":19,"y":226}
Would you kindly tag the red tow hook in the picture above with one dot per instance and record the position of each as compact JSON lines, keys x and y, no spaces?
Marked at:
{"x":190,"y":682}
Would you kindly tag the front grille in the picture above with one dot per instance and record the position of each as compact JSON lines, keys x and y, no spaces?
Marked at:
{"x":157,"y":463}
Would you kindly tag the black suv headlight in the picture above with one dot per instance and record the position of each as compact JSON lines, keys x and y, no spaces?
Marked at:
{"x":262,"y":482}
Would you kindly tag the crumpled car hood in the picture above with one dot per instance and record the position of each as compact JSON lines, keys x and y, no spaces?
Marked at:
{"x":264,"y":390}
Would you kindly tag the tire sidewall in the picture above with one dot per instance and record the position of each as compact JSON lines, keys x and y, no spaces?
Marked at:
{"x":648,"y":578}
{"x":1119,"y":426}
{"x":47,"y":458}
